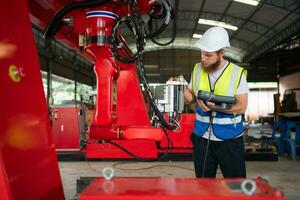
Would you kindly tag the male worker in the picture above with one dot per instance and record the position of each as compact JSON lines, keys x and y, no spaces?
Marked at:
{"x":218,"y":135}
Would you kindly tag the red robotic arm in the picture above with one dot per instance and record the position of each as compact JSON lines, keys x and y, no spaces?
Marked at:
{"x":120,"y":111}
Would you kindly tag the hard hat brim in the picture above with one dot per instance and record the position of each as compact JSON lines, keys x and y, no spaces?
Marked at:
{"x":203,"y":47}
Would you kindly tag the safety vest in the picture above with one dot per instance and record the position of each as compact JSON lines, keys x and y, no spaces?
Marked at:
{"x":225,"y":126}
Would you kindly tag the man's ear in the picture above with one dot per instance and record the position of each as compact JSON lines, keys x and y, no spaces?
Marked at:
{"x":221,"y":52}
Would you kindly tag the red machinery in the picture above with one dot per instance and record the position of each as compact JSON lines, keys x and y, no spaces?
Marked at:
{"x":116,"y":120}
{"x":28,"y":165}
{"x":69,"y":123}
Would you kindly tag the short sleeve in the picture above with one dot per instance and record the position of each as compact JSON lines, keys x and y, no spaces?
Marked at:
{"x":243,"y":86}
{"x":190,"y":86}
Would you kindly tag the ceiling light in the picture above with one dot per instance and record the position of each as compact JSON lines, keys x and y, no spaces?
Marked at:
{"x":153,"y":74}
{"x":249,"y":2}
{"x":151,"y":66}
{"x":195,"y":35}
{"x":217,"y":23}
{"x":171,"y":68}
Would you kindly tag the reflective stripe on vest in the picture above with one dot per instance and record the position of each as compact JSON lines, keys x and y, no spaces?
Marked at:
{"x":245,"y":72}
{"x":201,"y":118}
{"x":221,"y":121}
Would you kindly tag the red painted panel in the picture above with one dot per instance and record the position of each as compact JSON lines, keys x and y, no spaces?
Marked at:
{"x":26,"y":146}
{"x":131,"y":106}
{"x":174,"y":188}
{"x":181,"y":139}
{"x":65,"y":127}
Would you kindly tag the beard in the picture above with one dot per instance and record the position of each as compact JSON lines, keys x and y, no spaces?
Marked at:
{"x":212,"y":67}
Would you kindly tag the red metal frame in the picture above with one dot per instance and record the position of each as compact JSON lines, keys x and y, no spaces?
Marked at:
{"x":26,"y":147}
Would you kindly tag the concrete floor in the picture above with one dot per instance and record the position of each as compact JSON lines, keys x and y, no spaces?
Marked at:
{"x":283,"y":174}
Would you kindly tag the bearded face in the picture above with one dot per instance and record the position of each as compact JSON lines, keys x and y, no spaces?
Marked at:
{"x":211,"y":61}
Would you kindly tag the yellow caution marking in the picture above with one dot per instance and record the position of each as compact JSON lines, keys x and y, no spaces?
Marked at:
{"x":14,"y":73}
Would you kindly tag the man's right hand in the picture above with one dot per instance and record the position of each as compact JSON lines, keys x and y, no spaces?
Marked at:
{"x":177,"y":78}
{"x":203,"y":106}
{"x":173,"y":78}
{"x":189,"y":96}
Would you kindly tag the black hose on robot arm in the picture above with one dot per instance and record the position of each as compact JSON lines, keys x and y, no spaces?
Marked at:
{"x":160,"y":116}
{"x":57,"y":22}
{"x":135,"y":23}
{"x":168,"y":14}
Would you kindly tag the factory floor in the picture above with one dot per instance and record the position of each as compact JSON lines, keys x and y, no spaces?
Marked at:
{"x":283,"y":174}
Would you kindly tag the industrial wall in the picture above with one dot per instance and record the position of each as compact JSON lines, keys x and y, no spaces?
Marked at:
{"x":289,"y":82}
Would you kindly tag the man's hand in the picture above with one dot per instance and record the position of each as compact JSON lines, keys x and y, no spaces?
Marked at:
{"x":204,"y":107}
{"x":173,"y":78}
{"x":238,"y":108}
{"x":189,"y":97}
{"x":177,"y":78}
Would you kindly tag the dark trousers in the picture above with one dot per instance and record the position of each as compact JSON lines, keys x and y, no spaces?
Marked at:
{"x":229,"y":154}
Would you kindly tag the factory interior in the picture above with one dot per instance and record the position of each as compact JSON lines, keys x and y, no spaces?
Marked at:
{"x":119,"y":99}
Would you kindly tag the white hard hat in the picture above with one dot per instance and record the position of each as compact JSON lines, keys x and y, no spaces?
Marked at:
{"x":214,"y":39}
